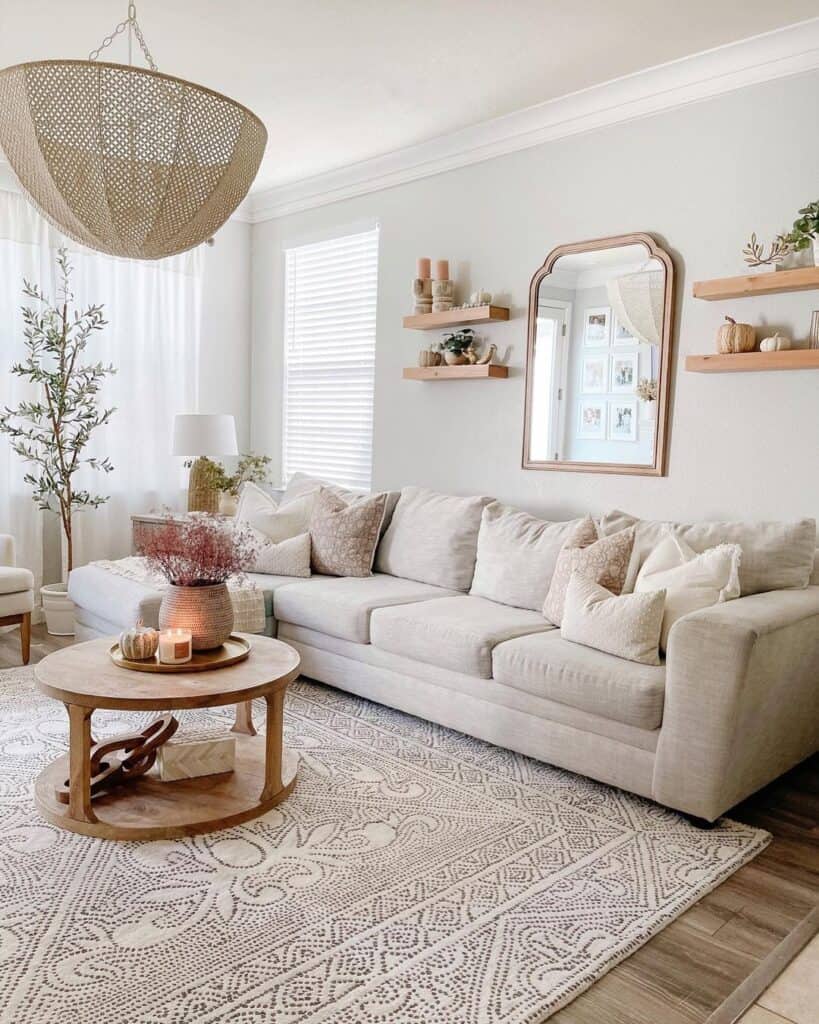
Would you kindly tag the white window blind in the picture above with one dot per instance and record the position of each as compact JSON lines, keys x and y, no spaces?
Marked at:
{"x":329,"y":342}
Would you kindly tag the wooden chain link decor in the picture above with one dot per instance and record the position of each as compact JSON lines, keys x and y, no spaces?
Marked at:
{"x":127,"y":160}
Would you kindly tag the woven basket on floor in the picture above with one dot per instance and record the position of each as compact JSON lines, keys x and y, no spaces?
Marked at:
{"x":206,"y":611}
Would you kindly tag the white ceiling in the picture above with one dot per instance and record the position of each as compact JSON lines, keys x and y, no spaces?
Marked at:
{"x":340,"y":81}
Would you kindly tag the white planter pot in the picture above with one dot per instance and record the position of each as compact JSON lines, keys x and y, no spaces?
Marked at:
{"x":58,"y":608}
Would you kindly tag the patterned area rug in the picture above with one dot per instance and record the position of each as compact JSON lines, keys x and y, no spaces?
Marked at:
{"x":414,"y":876}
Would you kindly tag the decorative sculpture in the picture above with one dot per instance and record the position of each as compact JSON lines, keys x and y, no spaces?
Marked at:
{"x":140,"y":749}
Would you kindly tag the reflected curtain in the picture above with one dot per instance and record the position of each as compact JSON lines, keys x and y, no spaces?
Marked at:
{"x":153,"y":311}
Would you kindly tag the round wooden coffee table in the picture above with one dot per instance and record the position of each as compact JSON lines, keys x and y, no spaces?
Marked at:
{"x":84,"y":679}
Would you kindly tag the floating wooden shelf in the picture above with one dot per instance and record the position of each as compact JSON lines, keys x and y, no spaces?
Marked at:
{"x":798,"y":280}
{"x":483,"y":372}
{"x":742,"y":362}
{"x":457,"y":318}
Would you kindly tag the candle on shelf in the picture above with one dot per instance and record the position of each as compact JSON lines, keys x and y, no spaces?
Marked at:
{"x":175,"y":646}
{"x":442,"y":270}
{"x":424,"y":267}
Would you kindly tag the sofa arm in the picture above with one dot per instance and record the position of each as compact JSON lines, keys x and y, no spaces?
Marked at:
{"x":741,"y":702}
{"x":7,"y":552}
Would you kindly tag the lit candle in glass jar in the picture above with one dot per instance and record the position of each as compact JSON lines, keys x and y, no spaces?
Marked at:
{"x":175,"y":646}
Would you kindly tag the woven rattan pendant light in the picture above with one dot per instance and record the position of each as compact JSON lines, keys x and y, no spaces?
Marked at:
{"x":123,"y":159}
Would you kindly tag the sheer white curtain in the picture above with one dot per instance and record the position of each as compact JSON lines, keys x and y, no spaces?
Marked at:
{"x":153,"y":311}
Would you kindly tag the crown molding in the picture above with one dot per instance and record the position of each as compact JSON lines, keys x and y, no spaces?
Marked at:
{"x":788,"y":51}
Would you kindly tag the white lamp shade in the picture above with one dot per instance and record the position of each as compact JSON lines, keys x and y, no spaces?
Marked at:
{"x":203,"y":434}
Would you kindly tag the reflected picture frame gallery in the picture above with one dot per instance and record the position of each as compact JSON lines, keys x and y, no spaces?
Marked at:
{"x":622,"y":420}
{"x":597,"y":326}
{"x":591,"y":420}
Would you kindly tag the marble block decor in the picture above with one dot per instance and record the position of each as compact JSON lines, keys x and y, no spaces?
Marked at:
{"x":193,"y":758}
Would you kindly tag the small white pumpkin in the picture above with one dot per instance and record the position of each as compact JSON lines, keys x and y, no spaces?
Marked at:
{"x":139,"y":643}
{"x":776,"y":343}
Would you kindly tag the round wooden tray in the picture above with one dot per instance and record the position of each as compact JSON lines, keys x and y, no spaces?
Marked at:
{"x":233,"y":650}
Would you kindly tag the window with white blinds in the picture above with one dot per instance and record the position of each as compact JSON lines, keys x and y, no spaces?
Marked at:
{"x":329,"y":343}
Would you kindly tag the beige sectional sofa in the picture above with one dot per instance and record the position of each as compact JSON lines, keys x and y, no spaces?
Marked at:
{"x":734,"y":703}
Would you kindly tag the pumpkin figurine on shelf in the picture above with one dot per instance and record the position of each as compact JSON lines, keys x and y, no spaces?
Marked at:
{"x":733,"y":337}
{"x":139,"y":643}
{"x":775,"y":343}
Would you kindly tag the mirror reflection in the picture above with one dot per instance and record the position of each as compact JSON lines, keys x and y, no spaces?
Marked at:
{"x":596,"y":340}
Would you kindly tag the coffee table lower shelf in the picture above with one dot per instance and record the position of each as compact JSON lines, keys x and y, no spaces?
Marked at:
{"x":147,"y":808}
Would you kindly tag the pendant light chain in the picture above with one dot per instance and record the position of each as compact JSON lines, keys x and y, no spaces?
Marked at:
{"x":132,"y":24}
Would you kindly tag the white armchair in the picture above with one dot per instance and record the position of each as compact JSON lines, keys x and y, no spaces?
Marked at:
{"x":16,"y":594}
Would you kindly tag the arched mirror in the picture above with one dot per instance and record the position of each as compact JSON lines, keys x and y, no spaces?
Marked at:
{"x":598,"y":357}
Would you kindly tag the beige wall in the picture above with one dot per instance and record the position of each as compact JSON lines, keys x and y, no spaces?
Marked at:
{"x":701,"y":178}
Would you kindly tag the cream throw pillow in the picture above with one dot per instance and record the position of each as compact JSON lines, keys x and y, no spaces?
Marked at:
{"x":627,"y":626}
{"x":277,"y":522}
{"x":289,"y":557}
{"x":690,"y":580}
{"x":604,"y":561}
{"x":344,"y":537}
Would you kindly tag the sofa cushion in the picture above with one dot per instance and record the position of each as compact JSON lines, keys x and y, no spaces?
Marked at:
{"x":517,"y":554}
{"x":342,"y":606}
{"x":551,"y":667}
{"x":18,"y":603}
{"x":13,"y":580}
{"x":114,"y":598}
{"x":457,"y":633}
{"x":432,"y":538}
{"x":289,"y":557}
{"x":775,"y":555}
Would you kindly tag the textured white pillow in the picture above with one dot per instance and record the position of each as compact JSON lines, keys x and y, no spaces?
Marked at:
{"x":775,"y":555}
{"x":627,"y":626}
{"x":289,"y":557}
{"x":690,"y":580}
{"x":276,"y":522}
{"x":517,"y":554}
{"x":253,"y":499}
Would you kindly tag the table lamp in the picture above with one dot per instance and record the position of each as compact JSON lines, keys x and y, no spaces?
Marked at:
{"x":199,"y":434}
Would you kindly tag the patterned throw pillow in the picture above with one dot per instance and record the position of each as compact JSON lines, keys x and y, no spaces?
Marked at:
{"x":289,"y":557}
{"x":604,"y":561}
{"x":627,"y":626}
{"x":344,"y":537}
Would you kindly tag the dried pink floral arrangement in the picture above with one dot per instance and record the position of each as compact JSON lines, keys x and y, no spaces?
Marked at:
{"x":197,"y":552}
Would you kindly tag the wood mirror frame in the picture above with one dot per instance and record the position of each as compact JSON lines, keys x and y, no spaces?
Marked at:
{"x":655,"y":250}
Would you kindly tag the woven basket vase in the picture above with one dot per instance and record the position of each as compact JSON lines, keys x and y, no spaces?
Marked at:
{"x":206,"y":611}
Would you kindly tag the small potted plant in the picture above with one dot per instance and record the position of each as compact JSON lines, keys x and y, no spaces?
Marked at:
{"x":456,"y":346}
{"x":197,"y":556}
{"x":52,"y":431}
{"x":251,"y":468}
{"x":805,"y":231}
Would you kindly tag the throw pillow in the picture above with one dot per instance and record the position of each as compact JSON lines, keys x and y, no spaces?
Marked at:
{"x":517,"y":554}
{"x":690,"y":580}
{"x":627,"y":626}
{"x":277,"y":522}
{"x":289,"y":557}
{"x":604,"y":560}
{"x":302,"y":485}
{"x":252,"y":499}
{"x":775,"y":555}
{"x":432,"y":538}
{"x":344,"y":537}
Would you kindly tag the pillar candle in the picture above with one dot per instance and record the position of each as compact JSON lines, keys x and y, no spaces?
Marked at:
{"x":175,"y":646}
{"x":424,"y":267}
{"x":442,"y":270}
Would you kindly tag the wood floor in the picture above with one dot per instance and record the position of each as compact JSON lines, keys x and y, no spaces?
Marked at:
{"x":684,"y":974}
